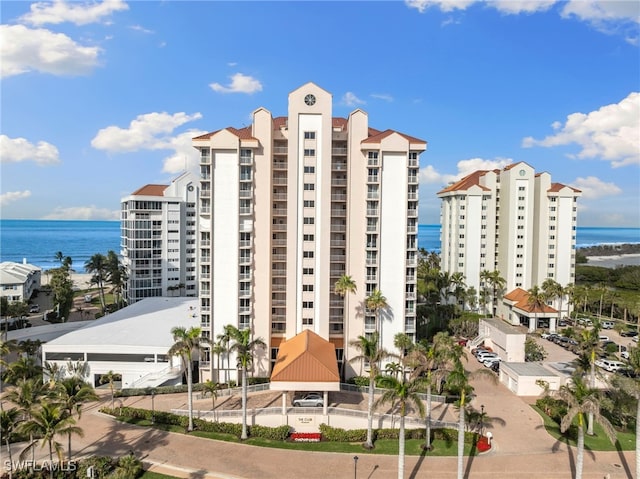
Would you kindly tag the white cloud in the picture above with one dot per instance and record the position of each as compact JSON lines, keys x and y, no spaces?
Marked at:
{"x":621,"y":17}
{"x":82,"y":213}
{"x":514,"y":7}
{"x":611,"y":133}
{"x":151,"y":131}
{"x":186,"y":157}
{"x":350,"y":99}
{"x":593,"y":188}
{"x":11,"y":196}
{"x":78,"y":13}
{"x":239,"y":84}
{"x":23,"y":49}
{"x":443,"y":5}
{"x":429,"y":175}
{"x":140,"y":28}
{"x":382,"y":96}
{"x":15,"y":150}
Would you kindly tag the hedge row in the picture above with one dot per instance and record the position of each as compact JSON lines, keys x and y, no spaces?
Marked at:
{"x":280,"y":433}
{"x":336,"y":434}
{"x":182,"y":388}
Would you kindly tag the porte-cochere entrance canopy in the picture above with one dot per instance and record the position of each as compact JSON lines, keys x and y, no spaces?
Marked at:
{"x":306,"y":362}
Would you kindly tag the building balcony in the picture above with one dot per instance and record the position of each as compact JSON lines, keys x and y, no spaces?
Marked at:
{"x":280,"y":150}
{"x":278,"y":328}
{"x":373,"y":179}
{"x":205,"y":176}
{"x":244,"y":276}
{"x":279,"y":227}
{"x":205,"y":259}
{"x":337,"y":272}
{"x":338,"y":258}
{"x":280,"y":196}
{"x":280,"y":165}
{"x":412,"y":195}
{"x":246,"y":159}
{"x":412,"y":229}
{"x":372,"y":212}
{"x":279,"y":180}
{"x":338,"y":166}
{"x":412,"y":179}
{"x":205,"y":159}
{"x":371,"y":261}
{"x":279,"y":212}
{"x":205,"y":309}
{"x":205,"y":324}
{"x":412,"y":213}
{"x":279,"y":257}
{"x":278,"y":287}
{"x":338,"y":151}
{"x":205,"y":210}
{"x":338,"y":242}
{"x":205,"y":193}
{"x":336,"y":328}
{"x":338,"y":197}
{"x":339,"y":212}
{"x":279,"y":272}
{"x":278,"y":302}
{"x":245,"y":193}
{"x":372,"y":228}
{"x":411,"y":295}
{"x":373,"y":195}
{"x":338,"y":228}
{"x":373,"y":162}
{"x":338,"y":182}
{"x":279,"y":242}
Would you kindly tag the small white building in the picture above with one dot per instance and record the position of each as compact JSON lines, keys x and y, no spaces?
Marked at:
{"x":132,"y":342}
{"x":18,"y":281}
{"x":504,"y":339}
{"x":524,"y":379}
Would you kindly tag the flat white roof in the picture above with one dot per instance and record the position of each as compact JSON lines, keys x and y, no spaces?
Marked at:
{"x":16,"y":273}
{"x":147,"y":323}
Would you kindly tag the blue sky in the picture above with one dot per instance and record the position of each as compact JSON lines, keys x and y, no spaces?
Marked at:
{"x":101,"y":98}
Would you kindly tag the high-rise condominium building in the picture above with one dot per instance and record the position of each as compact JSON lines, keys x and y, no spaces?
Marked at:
{"x":288,"y":206}
{"x":513,"y":221}
{"x":158,"y":239}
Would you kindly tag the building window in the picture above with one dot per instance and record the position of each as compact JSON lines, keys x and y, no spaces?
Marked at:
{"x":309,"y":169}
{"x":307,"y":304}
{"x":309,"y":187}
{"x":309,"y":152}
{"x":307,"y":321}
{"x":307,"y":287}
{"x":309,"y":221}
{"x":309,"y":203}
{"x":373,"y":154}
{"x":413,"y":155}
{"x":307,"y":254}
{"x":308,"y":238}
{"x":307,"y":270}
{"x":309,"y":135}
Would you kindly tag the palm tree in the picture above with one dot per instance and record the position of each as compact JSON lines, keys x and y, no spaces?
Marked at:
{"x":404,"y":343}
{"x":49,"y":421}
{"x":110,"y":378}
{"x":212,"y":388}
{"x":116,"y":275}
{"x":496,"y":284}
{"x":73,"y":392}
{"x":554,"y":290}
{"x":224,"y":339}
{"x":9,"y":421}
{"x":370,"y":353}
{"x":632,"y":386}
{"x":376,"y":303}
{"x":589,"y":346}
{"x":459,"y":287}
{"x":186,"y":342}
{"x":436,"y":361}
{"x":27,"y":395}
{"x":218,"y":349}
{"x":59,"y":257}
{"x":97,"y":265}
{"x":582,"y":400}
{"x":244,"y":347}
{"x":402,"y":394}
{"x":344,"y":286}
{"x":24,"y":368}
{"x":537,"y":300}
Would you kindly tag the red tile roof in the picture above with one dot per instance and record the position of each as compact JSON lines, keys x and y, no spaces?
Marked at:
{"x":556,"y":187}
{"x":150,"y":190}
{"x":467,"y":182}
{"x":521,"y":299}
{"x":306,"y":357}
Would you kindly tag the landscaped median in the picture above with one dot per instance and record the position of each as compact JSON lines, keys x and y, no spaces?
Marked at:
{"x":328,"y":439}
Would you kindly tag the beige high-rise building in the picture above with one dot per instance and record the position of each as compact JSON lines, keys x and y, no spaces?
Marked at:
{"x":514,"y":221}
{"x":288,"y":205}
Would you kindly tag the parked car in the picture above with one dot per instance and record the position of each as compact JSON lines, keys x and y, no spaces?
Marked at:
{"x":626,"y":372}
{"x":482,"y":357}
{"x":552,"y":337}
{"x":478,"y":350}
{"x":489,"y":361}
{"x":34,"y":308}
{"x":603,"y":338}
{"x":629,"y":333}
{"x":607,"y":324}
{"x":564,"y":323}
{"x":609,"y":364}
{"x":309,"y":400}
{"x":495,"y":367}
{"x":624,"y":354}
{"x":545,"y":335}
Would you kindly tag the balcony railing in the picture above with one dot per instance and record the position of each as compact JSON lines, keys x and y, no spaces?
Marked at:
{"x":338,"y":242}
{"x":338,"y":151}
{"x":338,"y":228}
{"x":339,"y":212}
{"x":246,"y":210}
{"x":280,"y":196}
{"x":280,"y":150}
{"x":412,"y":179}
{"x":372,"y":212}
{"x":338,"y":197}
{"x":279,"y":180}
{"x":279,"y":227}
{"x":338,"y":182}
{"x":279,"y":165}
{"x":246,"y":159}
{"x":205,"y":193}
{"x":338,"y":166}
{"x":246,"y":193}
{"x":279,"y":212}
{"x":372,"y":179}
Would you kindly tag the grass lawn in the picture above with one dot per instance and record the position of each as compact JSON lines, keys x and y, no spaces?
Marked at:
{"x":155,"y":475}
{"x":598,"y":442}
{"x":382,"y":446}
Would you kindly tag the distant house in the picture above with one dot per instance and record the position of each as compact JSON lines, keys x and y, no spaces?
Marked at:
{"x":516,"y":309}
{"x":18,"y":281}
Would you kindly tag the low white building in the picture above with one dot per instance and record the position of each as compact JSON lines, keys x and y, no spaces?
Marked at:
{"x":528,"y":379}
{"x":18,"y":281}
{"x":132,"y":342}
{"x":504,"y":339}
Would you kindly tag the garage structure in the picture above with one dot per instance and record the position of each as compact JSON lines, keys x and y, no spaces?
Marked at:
{"x":502,"y":338}
{"x":523,"y":378}
{"x":132,"y":342}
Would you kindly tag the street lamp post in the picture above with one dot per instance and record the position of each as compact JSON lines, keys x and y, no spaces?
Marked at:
{"x":355,"y":467}
{"x":153,"y":408}
{"x":482,"y":420}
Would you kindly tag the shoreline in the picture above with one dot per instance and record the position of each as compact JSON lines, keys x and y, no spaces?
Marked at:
{"x":80,"y":280}
{"x":614,"y":260}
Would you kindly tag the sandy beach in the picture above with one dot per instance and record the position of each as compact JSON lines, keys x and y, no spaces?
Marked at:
{"x":615,"y":260}
{"x":80,"y":280}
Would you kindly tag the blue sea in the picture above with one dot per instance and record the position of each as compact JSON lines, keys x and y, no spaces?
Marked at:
{"x":37,"y":241}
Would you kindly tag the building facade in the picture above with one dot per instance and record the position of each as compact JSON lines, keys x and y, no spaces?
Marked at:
{"x":514,"y":221}
{"x":159,"y":227}
{"x":289,"y":205}
{"x":18,"y":281}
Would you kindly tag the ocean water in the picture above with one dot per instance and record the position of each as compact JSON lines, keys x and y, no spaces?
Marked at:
{"x":37,"y":241}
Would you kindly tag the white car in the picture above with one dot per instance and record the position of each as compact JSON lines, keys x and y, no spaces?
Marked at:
{"x":609,"y":365}
{"x":624,"y":354}
{"x":482,"y":357}
{"x":490,"y":361}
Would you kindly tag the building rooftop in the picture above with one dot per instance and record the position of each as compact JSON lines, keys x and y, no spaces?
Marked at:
{"x":147,"y":322}
{"x":16,"y":273}
{"x":503,"y":326}
{"x":528,"y":369}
